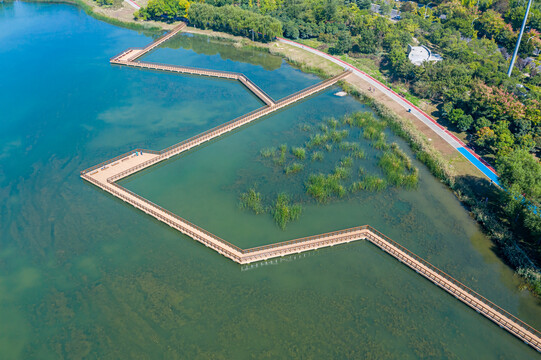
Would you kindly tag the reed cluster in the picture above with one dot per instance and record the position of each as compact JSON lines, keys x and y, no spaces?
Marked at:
{"x":283,"y":212}
{"x":251,"y":200}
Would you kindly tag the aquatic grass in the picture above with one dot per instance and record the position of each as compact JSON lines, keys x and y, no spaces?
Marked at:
{"x":348,"y":146}
{"x":305,"y":127}
{"x":332,"y":123}
{"x":283,"y":212}
{"x":346,"y":162}
{"x":373,"y":183}
{"x":317,"y":156}
{"x":362,"y":119}
{"x":299,"y":152}
{"x":322,"y":187}
{"x":411,"y":181}
{"x":282,"y":157}
{"x":328,"y":147}
{"x":397,"y":168}
{"x":402,"y":155}
{"x":358,"y":154}
{"x":341,"y":172}
{"x":338,"y":135}
{"x":372,"y":132}
{"x":293,"y":168}
{"x":348,"y":120}
{"x":356,"y":186}
{"x":317,"y":140}
{"x":368,"y":183}
{"x":323,"y":127}
{"x":251,"y":200}
{"x":268,"y":152}
{"x":380,"y":144}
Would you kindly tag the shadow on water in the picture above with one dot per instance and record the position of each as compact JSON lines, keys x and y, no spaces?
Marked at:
{"x":227,"y":49}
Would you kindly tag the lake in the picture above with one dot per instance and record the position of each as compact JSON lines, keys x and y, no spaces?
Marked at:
{"x":84,"y":275}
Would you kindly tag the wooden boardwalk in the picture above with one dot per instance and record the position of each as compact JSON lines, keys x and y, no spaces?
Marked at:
{"x":106,"y":174}
{"x":129,"y":58}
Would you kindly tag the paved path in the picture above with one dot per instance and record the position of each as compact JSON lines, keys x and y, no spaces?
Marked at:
{"x":133,"y":4}
{"x":456,"y":143}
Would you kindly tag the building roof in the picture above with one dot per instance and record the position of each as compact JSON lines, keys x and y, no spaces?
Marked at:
{"x":419,"y":54}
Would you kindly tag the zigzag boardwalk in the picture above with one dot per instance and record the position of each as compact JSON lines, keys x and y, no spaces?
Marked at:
{"x":105,"y":175}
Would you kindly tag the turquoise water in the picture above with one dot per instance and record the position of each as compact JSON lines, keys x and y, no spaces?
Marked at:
{"x":269,"y":72}
{"x":82,"y":275}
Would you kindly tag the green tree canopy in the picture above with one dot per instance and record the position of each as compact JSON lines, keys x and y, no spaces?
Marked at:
{"x":521,"y":172}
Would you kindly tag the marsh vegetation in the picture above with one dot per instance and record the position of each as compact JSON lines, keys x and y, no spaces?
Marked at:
{"x":330,"y":160}
{"x":281,"y":209}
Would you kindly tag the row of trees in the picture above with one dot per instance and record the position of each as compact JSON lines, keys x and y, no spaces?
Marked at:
{"x":234,"y":20}
{"x":164,"y":10}
{"x":227,"y":18}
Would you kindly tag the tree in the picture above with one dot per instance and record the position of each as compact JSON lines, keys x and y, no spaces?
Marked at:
{"x":366,"y":42}
{"x":520,"y":170}
{"x":234,"y":20}
{"x":486,"y":137}
{"x":481,"y":123}
{"x":343,"y":45}
{"x":461,"y":120}
{"x":520,"y":174}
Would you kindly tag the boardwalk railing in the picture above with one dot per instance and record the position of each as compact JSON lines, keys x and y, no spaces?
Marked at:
{"x":314,"y":87}
{"x":387,"y":242}
{"x":116,"y":158}
{"x":163,"y":38}
{"x":222,"y":129}
{"x":245,"y":256}
{"x":159,"y":41}
{"x":178,"y":223}
{"x":256,"y":89}
{"x":183,"y":69}
{"x":305,"y":239}
{"x":266,"y":98}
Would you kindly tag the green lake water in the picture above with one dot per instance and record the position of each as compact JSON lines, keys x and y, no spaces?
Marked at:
{"x":83,"y":275}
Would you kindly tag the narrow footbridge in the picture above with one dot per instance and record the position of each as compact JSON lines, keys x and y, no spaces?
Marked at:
{"x":107,"y":174}
{"x":129,"y":58}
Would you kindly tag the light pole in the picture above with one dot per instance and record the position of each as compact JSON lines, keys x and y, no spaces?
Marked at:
{"x":426,"y":7}
{"x":519,"y":38}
